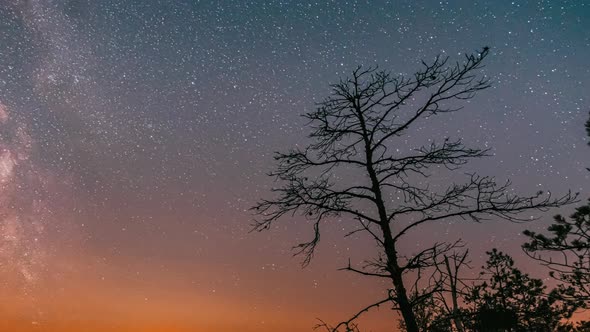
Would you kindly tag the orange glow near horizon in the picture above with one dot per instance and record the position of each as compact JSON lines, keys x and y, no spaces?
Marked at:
{"x":102,"y":297}
{"x":137,"y":135}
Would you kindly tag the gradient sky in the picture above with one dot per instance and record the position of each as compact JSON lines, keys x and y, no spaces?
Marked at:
{"x":135,"y":135}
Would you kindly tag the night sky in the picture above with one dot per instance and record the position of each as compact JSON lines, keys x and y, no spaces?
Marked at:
{"x":135,"y":136}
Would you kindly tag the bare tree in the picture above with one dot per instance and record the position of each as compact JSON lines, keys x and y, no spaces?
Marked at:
{"x":440,"y":310}
{"x":354,"y":131}
{"x":456,"y":286}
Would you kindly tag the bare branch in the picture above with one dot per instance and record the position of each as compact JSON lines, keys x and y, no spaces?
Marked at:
{"x":348,"y":324}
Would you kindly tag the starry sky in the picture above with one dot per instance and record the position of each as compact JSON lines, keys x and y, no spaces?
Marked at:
{"x":135,"y":136}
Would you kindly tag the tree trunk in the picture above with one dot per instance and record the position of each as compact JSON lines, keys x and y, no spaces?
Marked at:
{"x":453,"y":282}
{"x":388,"y":243}
{"x":398,"y":282}
{"x":392,"y":265}
{"x":404,"y":305}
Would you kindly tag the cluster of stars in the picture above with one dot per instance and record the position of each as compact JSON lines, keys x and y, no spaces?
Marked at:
{"x":149,"y":126}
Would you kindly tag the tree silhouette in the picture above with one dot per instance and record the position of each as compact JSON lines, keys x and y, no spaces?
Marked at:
{"x":566,"y":250}
{"x":439,"y":309}
{"x":509,"y":300}
{"x":570,"y":239}
{"x":501,"y":299}
{"x":351,"y":168}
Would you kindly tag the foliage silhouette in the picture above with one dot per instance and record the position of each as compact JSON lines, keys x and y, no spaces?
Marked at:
{"x":502,"y":299}
{"x":566,"y":251}
{"x":570,"y":238}
{"x":509,"y":300}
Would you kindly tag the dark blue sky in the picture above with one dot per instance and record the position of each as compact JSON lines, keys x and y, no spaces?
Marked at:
{"x":141,"y":131}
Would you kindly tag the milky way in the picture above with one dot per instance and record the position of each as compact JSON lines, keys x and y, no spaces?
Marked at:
{"x":135,"y":135}
{"x":23,"y":217}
